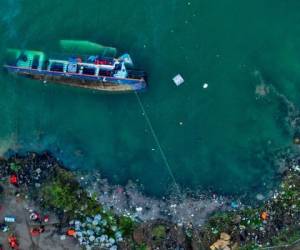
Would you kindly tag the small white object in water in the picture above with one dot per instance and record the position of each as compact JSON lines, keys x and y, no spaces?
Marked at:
{"x":178,"y":80}
{"x":62,"y":237}
{"x":259,"y":197}
{"x":180,"y":123}
{"x":139,"y":209}
{"x":205,"y":85}
{"x":45,"y":81}
{"x":297,"y":168}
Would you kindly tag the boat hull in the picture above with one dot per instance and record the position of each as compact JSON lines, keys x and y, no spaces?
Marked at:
{"x":99,"y":83}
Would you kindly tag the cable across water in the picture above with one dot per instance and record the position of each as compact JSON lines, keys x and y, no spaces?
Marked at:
{"x":163,"y":155}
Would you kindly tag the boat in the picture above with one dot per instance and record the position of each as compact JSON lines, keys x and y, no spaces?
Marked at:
{"x":99,"y":70}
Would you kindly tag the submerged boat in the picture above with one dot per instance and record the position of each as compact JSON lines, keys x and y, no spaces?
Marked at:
{"x":101,"y":70}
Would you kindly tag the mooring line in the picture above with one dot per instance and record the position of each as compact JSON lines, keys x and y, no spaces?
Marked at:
{"x":163,"y":155}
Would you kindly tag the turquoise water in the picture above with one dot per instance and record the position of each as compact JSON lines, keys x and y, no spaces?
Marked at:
{"x":221,"y":138}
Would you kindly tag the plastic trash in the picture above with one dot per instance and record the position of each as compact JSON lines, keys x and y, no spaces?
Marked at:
{"x":259,"y":197}
{"x":139,"y":209}
{"x":178,"y":80}
{"x":4,"y":228}
{"x":234,"y":204}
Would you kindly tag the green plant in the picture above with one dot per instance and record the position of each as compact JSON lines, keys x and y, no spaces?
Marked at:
{"x":126,"y":225}
{"x":159,"y":232}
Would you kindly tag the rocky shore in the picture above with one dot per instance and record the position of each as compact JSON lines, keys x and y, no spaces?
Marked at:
{"x":88,"y":212}
{"x":181,"y":209}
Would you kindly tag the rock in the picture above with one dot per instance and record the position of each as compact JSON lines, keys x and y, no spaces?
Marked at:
{"x":225,"y":236}
{"x":220,"y":244}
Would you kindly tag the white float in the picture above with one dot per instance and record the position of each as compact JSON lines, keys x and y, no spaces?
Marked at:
{"x":178,"y":80}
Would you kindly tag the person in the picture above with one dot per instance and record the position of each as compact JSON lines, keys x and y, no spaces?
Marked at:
{"x":13,"y":179}
{"x":13,"y":243}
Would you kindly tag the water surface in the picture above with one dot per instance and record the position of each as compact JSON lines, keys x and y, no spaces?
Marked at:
{"x":222,"y":137}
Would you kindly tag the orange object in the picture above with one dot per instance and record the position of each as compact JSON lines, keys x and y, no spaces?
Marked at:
{"x":13,"y":179}
{"x":264,"y":216}
{"x":71,"y":232}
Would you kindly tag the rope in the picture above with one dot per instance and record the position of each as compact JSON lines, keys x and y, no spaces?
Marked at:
{"x":163,"y":155}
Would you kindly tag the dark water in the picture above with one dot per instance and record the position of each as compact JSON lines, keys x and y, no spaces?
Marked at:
{"x":227,"y":135}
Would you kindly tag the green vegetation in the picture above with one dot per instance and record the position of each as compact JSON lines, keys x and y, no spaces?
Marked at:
{"x":15,"y":167}
{"x":159,"y":232}
{"x":126,"y":225}
{"x":142,"y":247}
{"x":63,"y":193}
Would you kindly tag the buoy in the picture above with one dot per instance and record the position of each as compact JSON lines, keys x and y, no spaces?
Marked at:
{"x":205,"y":85}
